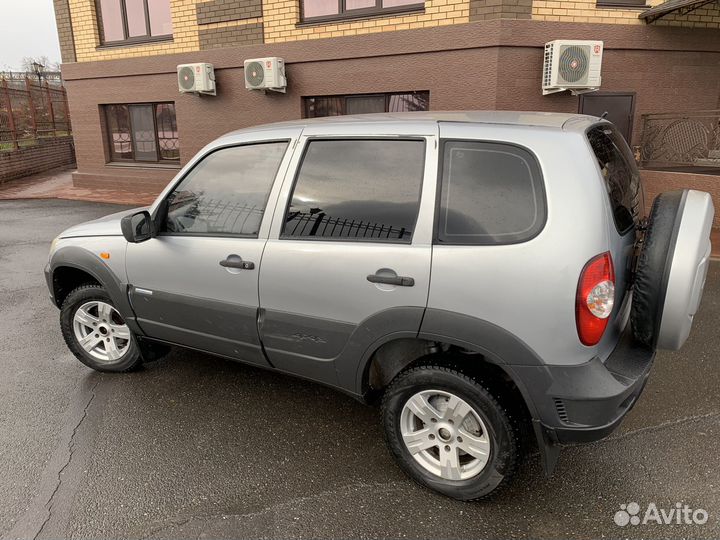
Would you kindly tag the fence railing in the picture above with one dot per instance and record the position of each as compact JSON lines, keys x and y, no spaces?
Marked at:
{"x":688,"y":139}
{"x":30,"y":111}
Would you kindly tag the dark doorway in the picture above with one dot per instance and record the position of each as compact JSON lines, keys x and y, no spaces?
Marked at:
{"x":620,"y":107}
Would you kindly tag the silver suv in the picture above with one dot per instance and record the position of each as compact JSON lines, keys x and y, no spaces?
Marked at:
{"x":486,"y":276}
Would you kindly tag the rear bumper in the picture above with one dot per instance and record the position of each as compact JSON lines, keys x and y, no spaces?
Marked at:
{"x":587,"y":402}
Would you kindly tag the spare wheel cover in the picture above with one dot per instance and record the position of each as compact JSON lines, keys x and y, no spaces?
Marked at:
{"x":671,"y":268}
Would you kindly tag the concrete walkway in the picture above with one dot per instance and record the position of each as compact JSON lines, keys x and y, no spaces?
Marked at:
{"x":58,"y":184}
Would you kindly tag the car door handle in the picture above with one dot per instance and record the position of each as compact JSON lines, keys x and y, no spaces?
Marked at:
{"x":233,"y":261}
{"x":401,"y":281}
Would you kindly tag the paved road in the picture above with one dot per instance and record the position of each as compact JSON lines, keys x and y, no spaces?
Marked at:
{"x":194,"y":446}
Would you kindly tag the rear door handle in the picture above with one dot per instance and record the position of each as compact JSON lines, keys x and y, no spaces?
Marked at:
{"x":401,"y":281}
{"x":235,"y":261}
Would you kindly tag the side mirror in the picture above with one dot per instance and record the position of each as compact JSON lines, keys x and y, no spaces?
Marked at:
{"x":138,"y":227}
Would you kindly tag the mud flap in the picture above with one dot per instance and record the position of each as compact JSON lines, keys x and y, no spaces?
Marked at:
{"x":549,"y":448}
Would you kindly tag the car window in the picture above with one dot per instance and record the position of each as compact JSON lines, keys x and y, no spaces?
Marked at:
{"x":490,"y":193}
{"x":622,"y":179}
{"x":366,"y":190}
{"x":225,"y":193}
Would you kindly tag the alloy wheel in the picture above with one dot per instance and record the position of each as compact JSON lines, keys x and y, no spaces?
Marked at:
{"x":101,"y":331}
{"x":445,"y":435}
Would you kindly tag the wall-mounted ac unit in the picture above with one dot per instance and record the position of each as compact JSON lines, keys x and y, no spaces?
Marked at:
{"x":572,"y":65}
{"x":196,"y":79}
{"x":265,"y":74}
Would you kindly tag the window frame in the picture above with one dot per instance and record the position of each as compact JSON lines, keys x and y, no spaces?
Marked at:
{"x":361,"y":13}
{"x":370,"y":241}
{"x":134,"y":162}
{"x":542,"y":192}
{"x":148,"y":38}
{"x":387,"y":95}
{"x":161,"y":210}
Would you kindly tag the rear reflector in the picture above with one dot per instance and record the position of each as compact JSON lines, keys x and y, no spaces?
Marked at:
{"x":595,"y":298}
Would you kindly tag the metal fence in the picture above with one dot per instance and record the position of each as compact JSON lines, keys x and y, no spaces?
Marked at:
{"x":689,"y":139}
{"x":30,"y":111}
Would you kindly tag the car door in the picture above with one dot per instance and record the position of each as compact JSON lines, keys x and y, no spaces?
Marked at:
{"x":348,"y":259}
{"x":196,"y":282}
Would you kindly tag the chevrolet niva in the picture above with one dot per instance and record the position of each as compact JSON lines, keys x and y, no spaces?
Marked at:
{"x":485,"y":276}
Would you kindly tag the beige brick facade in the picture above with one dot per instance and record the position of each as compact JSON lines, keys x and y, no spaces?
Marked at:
{"x":586,"y":11}
{"x":205,"y":24}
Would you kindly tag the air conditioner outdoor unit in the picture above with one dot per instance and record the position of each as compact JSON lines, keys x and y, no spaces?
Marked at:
{"x":196,"y":79}
{"x":572,"y":65}
{"x":265,"y":74}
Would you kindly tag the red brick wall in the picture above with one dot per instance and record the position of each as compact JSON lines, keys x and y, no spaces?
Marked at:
{"x":45,"y":155}
{"x":655,"y":182}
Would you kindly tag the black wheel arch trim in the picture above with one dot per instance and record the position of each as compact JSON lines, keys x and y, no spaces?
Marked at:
{"x":81,"y":259}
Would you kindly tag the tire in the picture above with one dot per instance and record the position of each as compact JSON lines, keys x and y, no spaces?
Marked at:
{"x":498,"y":428}
{"x":653,"y":267}
{"x":112,"y":352}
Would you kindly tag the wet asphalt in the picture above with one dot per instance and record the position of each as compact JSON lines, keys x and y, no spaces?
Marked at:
{"x":199,"y":447}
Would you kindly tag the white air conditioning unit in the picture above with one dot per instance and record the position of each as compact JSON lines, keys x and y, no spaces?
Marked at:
{"x":196,"y":79}
{"x":572,"y":65}
{"x":265,"y":74}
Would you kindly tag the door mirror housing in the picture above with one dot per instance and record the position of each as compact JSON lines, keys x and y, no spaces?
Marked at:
{"x":138,"y":227}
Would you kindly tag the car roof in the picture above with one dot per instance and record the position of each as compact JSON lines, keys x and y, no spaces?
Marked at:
{"x":548,"y":120}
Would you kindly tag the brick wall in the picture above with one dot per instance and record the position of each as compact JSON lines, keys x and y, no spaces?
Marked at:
{"x":227,"y":36}
{"x":47,"y":154}
{"x":88,"y":44}
{"x":655,"y":182}
{"x":587,"y":11}
{"x":482,"y":10}
{"x":217,"y":11}
{"x":65,"y":30}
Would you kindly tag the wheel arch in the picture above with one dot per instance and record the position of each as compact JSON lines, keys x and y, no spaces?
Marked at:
{"x":75,"y":262}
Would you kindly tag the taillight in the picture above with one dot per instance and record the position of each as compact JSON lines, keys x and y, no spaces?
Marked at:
{"x":595,"y":298}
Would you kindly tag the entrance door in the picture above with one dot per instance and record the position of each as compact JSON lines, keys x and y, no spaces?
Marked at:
{"x":196,"y":283}
{"x":348,"y":262}
{"x":619,"y":106}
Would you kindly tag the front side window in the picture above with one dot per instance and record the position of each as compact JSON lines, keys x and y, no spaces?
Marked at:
{"x":490,"y":193}
{"x":225,"y":193}
{"x":366,"y":103}
{"x":364,"y":190}
{"x":620,"y":174}
{"x":339,"y":9}
{"x":143,"y":133}
{"x":134,"y":20}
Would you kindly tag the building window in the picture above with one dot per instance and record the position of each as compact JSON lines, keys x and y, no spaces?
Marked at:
{"x":319,"y":10}
{"x":366,"y":103}
{"x":622,"y":3}
{"x":134,"y":21}
{"x":143,"y":133}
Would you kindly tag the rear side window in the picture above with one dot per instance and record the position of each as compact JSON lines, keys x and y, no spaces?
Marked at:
{"x":365,"y":190}
{"x":225,"y":193}
{"x":490,"y":193}
{"x":620,"y":174}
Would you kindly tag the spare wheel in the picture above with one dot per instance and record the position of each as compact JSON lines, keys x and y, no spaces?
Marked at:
{"x":671,"y":268}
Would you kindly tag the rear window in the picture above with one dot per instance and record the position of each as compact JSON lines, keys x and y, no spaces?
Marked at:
{"x":490,"y":193}
{"x":622,"y":179}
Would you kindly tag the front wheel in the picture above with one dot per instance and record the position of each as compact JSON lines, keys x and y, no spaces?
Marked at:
{"x":95,"y":331}
{"x":449,"y":433}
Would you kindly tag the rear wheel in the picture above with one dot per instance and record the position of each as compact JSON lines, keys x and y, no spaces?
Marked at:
{"x":95,"y":331}
{"x":449,"y":433}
